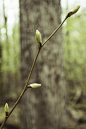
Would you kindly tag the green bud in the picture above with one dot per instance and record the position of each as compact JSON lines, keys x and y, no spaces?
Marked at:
{"x":74,"y":11}
{"x":35,"y":85}
{"x":38,"y":38}
{"x":6,"y":109}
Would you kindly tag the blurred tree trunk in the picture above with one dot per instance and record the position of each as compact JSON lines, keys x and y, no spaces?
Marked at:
{"x":1,"y":78}
{"x":42,"y":108}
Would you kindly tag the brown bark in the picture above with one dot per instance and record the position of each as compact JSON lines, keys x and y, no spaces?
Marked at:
{"x":42,"y":108}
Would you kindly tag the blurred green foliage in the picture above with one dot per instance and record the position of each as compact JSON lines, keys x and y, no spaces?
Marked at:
{"x":74,"y":41}
{"x":11,"y":51}
{"x":74,"y":50}
{"x":10,"y":62}
{"x":74,"y":37}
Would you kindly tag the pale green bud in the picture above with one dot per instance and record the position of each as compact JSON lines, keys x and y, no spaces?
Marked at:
{"x":35,"y":85}
{"x":74,"y":11}
{"x":38,"y":38}
{"x":6,"y":107}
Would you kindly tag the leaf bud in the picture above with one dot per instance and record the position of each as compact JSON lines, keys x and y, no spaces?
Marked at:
{"x":6,"y":109}
{"x":74,"y":11}
{"x":38,"y":38}
{"x":35,"y":85}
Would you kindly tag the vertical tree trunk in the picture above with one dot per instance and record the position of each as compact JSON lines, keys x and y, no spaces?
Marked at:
{"x":1,"y":79}
{"x":42,"y":108}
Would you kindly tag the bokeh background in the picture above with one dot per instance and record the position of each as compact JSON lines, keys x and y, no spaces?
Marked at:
{"x":74,"y":44}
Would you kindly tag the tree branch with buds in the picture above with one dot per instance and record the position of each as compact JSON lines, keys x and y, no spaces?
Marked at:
{"x":34,"y":85}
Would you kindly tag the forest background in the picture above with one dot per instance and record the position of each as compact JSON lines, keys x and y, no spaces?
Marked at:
{"x":74,"y":37}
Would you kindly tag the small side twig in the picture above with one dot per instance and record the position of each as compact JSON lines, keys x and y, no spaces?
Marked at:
{"x":55,"y":31}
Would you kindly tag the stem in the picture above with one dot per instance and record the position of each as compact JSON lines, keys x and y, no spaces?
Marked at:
{"x":3,"y":122}
{"x":55,"y":30}
{"x":25,"y":88}
{"x":26,"y":83}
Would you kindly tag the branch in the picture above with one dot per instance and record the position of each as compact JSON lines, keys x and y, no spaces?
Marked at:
{"x":40,"y":46}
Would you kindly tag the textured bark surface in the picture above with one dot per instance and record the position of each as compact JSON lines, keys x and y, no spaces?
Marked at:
{"x":42,"y":108}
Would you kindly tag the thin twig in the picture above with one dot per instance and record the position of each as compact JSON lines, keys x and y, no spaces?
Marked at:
{"x":22,"y":91}
{"x":25,"y":88}
{"x":26,"y":82}
{"x":3,"y":122}
{"x":55,"y":31}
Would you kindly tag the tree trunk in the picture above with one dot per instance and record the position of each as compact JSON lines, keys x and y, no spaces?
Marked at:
{"x":1,"y":78}
{"x":42,"y":108}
